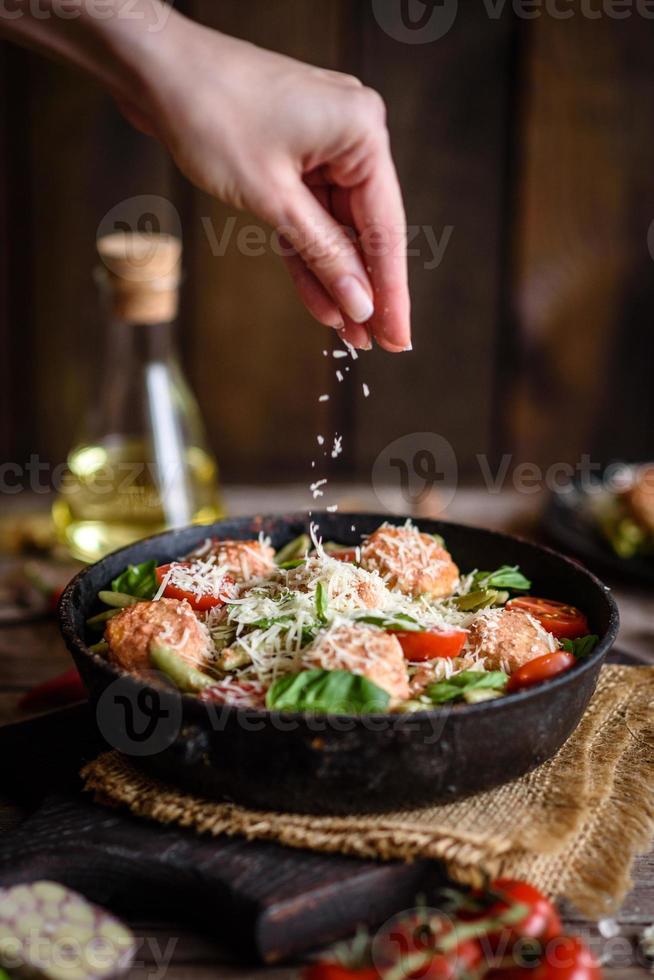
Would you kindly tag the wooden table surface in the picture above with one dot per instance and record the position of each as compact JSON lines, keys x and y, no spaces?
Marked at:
{"x":33,"y":651}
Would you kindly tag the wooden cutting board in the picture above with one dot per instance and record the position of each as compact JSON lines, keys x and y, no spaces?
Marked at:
{"x":265,"y":901}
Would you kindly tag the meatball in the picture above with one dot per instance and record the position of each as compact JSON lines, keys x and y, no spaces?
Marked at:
{"x":408,"y":560}
{"x":242,"y":559}
{"x":167,"y":621}
{"x":509,"y":638}
{"x":348,"y":587}
{"x":640,"y":498}
{"x":362,"y":650}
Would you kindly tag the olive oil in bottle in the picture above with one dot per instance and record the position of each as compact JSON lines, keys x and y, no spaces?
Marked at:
{"x":141,"y":464}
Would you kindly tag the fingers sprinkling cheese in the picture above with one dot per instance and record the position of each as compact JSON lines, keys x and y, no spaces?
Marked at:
{"x":408,"y":560}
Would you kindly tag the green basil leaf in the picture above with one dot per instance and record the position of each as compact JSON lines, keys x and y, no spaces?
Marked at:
{"x":443,"y":691}
{"x":321,"y":602}
{"x":137,"y":580}
{"x":460,"y":685}
{"x":326,"y":692}
{"x":495,"y":679}
{"x":582,"y":646}
{"x":506,"y":577}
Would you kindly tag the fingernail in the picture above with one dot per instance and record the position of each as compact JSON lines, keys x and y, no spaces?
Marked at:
{"x":354,"y":299}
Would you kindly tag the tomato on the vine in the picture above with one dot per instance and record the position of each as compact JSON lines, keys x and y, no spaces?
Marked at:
{"x":336,"y":971}
{"x":424,"y":947}
{"x":541,"y":921}
{"x":565,"y":958}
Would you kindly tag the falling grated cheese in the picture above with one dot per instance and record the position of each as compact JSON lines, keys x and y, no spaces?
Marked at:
{"x":366,"y":390}
{"x":337,"y":448}
{"x":324,"y":398}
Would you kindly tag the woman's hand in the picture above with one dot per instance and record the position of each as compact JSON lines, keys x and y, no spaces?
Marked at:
{"x":303,"y":148}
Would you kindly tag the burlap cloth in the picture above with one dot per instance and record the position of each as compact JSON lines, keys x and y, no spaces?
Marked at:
{"x":571,"y":827}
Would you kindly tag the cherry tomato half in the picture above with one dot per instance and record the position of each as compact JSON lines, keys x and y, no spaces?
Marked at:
{"x":541,"y":922}
{"x":563,"y":621}
{"x":199,"y":602}
{"x":540,"y":669}
{"x":431,"y":644}
{"x":336,"y":971}
{"x":565,"y":958}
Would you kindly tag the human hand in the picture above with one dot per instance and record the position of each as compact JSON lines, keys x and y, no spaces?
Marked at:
{"x":305,"y":149}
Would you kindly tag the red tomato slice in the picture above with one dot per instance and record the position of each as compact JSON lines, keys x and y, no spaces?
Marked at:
{"x":347,"y":554}
{"x":200,"y":603}
{"x":431,"y":644}
{"x":540,"y":669}
{"x":336,"y":971}
{"x":565,"y":958}
{"x":563,"y":621}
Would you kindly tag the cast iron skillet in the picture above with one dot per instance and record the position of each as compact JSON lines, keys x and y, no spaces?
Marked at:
{"x":343,"y":764}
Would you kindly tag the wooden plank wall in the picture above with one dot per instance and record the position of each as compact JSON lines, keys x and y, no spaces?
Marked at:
{"x":580,"y":379}
{"x":530,"y":140}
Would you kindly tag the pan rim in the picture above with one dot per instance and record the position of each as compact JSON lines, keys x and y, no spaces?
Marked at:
{"x":193,"y":704}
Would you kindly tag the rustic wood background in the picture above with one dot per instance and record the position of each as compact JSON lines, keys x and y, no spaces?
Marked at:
{"x":531,"y":138}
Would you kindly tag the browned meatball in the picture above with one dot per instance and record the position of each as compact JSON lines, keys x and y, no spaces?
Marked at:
{"x":348,"y":587}
{"x":167,"y":621}
{"x":408,"y":560}
{"x":362,"y":650}
{"x":508,"y":638}
{"x":242,"y":559}
{"x":640,"y":498}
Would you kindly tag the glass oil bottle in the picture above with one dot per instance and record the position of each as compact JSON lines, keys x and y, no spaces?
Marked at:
{"x":141,"y":464}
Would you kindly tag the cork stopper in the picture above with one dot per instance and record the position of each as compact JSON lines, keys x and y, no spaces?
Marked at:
{"x":142,"y":271}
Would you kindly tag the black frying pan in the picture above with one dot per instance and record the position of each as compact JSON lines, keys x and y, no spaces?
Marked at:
{"x":340,"y":764}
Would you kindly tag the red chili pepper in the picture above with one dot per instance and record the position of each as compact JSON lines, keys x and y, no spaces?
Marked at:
{"x":54,"y":693}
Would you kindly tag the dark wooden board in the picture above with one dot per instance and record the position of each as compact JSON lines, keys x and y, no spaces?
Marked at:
{"x":267,"y":902}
